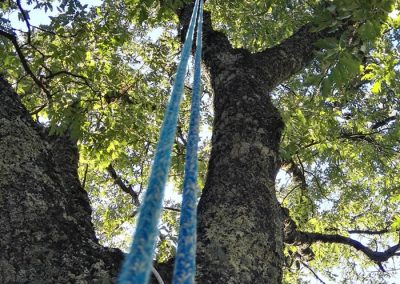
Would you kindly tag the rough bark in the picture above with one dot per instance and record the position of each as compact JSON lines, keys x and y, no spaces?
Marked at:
{"x":240,"y":229}
{"x":46,"y":234}
{"x":239,"y":235}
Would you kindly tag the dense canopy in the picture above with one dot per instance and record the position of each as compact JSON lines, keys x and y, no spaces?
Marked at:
{"x":102,"y":71}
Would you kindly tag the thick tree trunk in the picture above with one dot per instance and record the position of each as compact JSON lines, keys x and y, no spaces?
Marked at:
{"x":46,"y":234}
{"x":240,"y":229}
{"x":240,"y":238}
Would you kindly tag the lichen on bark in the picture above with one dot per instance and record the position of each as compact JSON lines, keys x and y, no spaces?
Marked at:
{"x":46,"y":234}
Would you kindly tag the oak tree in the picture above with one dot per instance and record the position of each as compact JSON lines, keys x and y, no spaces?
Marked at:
{"x":298,"y":180}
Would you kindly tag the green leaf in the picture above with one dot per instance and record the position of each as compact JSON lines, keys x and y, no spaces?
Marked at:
{"x":396,"y":224}
{"x":376,"y":87}
{"x":352,"y":63}
{"x":326,"y":87}
{"x":327,"y":43}
{"x":370,"y":30}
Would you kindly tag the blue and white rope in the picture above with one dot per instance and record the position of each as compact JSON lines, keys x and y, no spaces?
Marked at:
{"x":137,"y":265}
{"x":185,"y":258}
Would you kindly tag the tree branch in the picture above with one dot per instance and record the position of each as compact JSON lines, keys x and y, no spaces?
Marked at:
{"x":128,"y":189}
{"x":272,"y":66}
{"x":38,"y":109}
{"x":64,"y":72}
{"x":298,"y":174}
{"x":359,"y":136}
{"x":294,"y":237}
{"x":313,"y":272}
{"x":369,"y":232}
{"x":164,"y":270}
{"x":24,"y":62}
{"x":26,"y":19}
{"x":85,"y":176}
{"x":280,"y":62}
{"x":376,"y":256}
{"x":383,"y":122}
{"x":172,"y":209}
{"x":157,"y":275}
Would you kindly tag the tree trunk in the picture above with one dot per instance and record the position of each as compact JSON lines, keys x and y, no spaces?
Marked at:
{"x":240,"y":238}
{"x":46,"y":234}
{"x":240,"y":228}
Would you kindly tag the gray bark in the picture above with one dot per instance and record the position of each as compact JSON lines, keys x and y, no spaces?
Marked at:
{"x":239,"y":235}
{"x":46,"y":234}
{"x":240,"y":229}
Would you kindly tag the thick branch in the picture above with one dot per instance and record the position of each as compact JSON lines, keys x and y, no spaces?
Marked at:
{"x":280,"y":62}
{"x":218,"y":54}
{"x":377,"y":256}
{"x":272,"y":66}
{"x":299,"y":238}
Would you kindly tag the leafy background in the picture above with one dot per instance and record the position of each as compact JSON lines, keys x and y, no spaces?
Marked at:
{"x":106,"y":71}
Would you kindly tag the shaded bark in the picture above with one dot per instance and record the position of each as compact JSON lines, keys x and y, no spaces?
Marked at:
{"x":46,"y":234}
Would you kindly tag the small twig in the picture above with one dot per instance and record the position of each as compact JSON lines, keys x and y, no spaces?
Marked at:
{"x":289,"y":89}
{"x":157,"y":275}
{"x":147,"y":147}
{"x":85,"y":176}
{"x":51,"y":32}
{"x":383,"y":122}
{"x":36,"y":111}
{"x":180,"y":135}
{"x":25,"y":16}
{"x":172,"y":209}
{"x":64,"y":72}
{"x":290,"y":192}
{"x":369,"y":232}
{"x":312,"y":271}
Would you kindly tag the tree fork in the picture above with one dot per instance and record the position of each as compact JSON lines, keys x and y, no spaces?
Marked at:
{"x":46,"y":234}
{"x":240,"y":229}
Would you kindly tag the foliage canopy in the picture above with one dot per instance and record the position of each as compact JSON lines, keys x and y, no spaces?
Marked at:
{"x":103,"y":73}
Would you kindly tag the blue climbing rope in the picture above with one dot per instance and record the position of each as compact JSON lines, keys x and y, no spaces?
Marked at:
{"x":185,"y":258}
{"x":137,"y":265}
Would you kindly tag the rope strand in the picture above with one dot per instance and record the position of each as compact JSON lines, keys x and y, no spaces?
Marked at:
{"x":185,"y":259}
{"x":138,"y":263}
